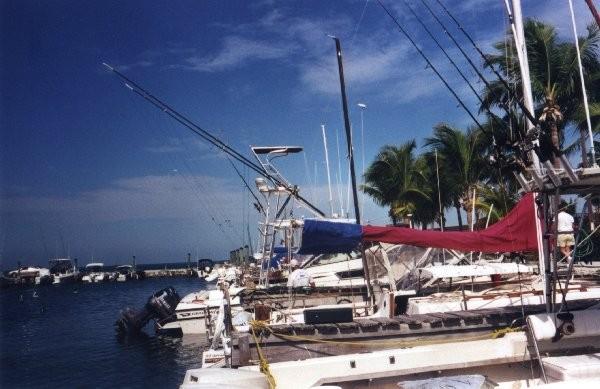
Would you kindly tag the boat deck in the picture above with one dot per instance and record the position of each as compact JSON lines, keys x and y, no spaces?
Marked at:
{"x":286,"y":342}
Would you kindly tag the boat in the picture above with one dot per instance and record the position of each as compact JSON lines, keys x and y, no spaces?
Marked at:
{"x":28,"y":275}
{"x":94,"y":272}
{"x":204,"y":267}
{"x":63,"y":270}
{"x":195,"y":312}
{"x":124,"y":273}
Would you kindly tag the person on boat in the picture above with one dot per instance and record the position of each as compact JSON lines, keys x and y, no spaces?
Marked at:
{"x":299,"y":278}
{"x":565,"y":239}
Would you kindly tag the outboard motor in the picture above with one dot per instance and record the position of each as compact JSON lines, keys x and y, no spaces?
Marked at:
{"x":160,"y":306}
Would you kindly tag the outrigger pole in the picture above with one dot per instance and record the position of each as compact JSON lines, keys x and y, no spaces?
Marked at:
{"x":338,"y":49}
{"x":207,"y":136}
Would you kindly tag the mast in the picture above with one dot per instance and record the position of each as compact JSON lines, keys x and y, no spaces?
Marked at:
{"x":338,"y":50}
{"x":519,"y":36}
{"x":327,"y":165}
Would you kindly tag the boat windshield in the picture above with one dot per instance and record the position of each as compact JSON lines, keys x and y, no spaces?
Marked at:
{"x":124,"y":269}
{"x":326,"y":259}
{"x":61,"y":266}
{"x":94,"y":269}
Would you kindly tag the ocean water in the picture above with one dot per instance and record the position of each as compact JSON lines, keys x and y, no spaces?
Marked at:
{"x":65,"y":338}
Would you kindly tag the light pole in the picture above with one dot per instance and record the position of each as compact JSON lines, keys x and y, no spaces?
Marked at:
{"x":362,"y":107}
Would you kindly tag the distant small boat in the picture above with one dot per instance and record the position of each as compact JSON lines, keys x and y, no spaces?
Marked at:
{"x":95,"y":273}
{"x":63,"y":270}
{"x":30,"y":275}
{"x":124,"y":273}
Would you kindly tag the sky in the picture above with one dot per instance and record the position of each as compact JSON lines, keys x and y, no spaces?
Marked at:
{"x":90,"y":170}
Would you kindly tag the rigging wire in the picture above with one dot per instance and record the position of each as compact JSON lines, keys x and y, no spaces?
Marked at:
{"x":407,"y":35}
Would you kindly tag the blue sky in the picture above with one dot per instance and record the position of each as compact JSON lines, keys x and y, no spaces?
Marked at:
{"x":91,"y":170}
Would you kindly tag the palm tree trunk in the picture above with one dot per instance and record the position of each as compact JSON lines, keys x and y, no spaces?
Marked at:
{"x":555,"y":143}
{"x":458,"y":215}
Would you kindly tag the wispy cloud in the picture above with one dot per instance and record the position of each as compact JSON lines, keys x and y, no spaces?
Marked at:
{"x":236,"y":51}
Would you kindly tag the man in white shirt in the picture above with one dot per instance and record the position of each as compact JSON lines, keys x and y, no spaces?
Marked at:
{"x":565,"y":238}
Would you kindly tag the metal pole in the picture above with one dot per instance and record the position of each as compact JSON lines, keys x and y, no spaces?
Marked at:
{"x":362,"y":107}
{"x":583,"y":91}
{"x":327,"y":165}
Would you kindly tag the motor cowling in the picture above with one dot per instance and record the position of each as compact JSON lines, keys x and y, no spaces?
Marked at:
{"x":159,"y":306}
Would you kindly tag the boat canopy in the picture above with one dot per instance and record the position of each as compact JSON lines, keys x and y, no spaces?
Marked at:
{"x":515,"y":232}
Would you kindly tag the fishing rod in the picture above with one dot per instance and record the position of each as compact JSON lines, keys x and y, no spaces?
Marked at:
{"x":492,"y":116}
{"x":521,"y":104}
{"x":479,"y":74}
{"x":401,"y":29}
{"x":259,"y":205}
{"x":462,"y":75}
{"x":133,"y":86}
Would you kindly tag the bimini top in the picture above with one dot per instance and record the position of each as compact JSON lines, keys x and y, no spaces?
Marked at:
{"x":276,"y":149}
{"x":515,"y":232}
{"x":95,"y":264}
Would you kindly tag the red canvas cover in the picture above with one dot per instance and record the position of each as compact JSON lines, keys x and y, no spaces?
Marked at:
{"x":516,"y":232}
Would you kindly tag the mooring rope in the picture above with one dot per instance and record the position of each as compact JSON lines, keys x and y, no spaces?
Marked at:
{"x":263,"y":326}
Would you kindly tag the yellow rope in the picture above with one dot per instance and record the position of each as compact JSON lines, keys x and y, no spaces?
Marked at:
{"x":264,"y":364}
{"x":259,"y":325}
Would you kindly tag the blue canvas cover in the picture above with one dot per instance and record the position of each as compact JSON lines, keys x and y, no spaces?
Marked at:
{"x":325,"y":237}
{"x":275,"y":262}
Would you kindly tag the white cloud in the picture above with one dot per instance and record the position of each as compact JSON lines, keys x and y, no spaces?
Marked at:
{"x":236,"y":51}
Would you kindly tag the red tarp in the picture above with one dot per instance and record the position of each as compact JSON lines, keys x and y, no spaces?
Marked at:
{"x":516,"y":232}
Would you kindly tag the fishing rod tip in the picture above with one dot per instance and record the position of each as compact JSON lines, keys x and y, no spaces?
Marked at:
{"x":108,"y":66}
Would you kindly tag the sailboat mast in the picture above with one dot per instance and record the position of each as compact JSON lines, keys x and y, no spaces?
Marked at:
{"x":338,"y":49}
{"x":519,"y":36}
{"x":327,"y":165}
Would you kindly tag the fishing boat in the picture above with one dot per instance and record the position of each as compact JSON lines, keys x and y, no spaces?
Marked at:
{"x":28,"y":275}
{"x":63,"y":270}
{"x":94,"y":272}
{"x":204,"y":267}
{"x":124,"y":273}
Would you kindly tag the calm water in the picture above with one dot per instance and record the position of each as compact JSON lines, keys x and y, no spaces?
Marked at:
{"x":65,"y":338}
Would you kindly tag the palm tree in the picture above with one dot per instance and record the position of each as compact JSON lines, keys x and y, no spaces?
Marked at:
{"x":554,"y":77}
{"x":397,"y":179}
{"x":462,"y":162}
